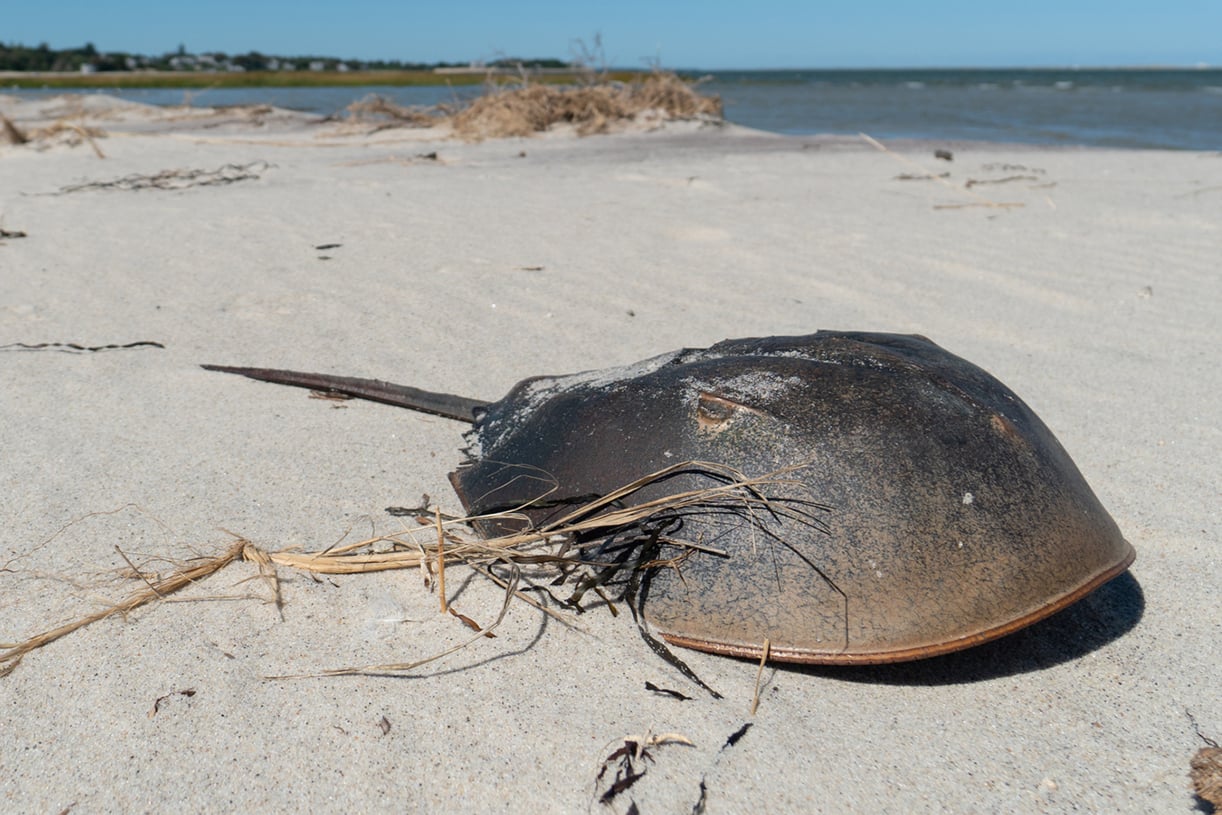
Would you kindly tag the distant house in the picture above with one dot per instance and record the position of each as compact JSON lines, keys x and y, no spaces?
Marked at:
{"x":88,"y":68}
{"x":317,"y":65}
{"x":273,"y":64}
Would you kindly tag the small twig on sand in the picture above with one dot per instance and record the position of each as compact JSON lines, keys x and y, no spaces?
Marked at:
{"x":755,"y":700}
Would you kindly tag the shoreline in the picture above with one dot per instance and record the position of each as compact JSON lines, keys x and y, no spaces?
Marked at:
{"x":110,"y":113}
{"x":169,"y":80}
{"x":841,"y":112}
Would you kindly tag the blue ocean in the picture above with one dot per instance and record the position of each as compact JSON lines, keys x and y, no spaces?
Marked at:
{"x":1134,"y":108}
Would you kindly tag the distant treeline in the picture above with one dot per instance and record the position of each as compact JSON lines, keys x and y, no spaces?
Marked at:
{"x":88,"y":59}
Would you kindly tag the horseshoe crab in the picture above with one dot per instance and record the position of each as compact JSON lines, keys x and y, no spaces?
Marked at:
{"x":953,"y":516}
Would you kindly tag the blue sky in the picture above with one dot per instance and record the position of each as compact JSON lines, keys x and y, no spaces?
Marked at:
{"x":677,"y":34}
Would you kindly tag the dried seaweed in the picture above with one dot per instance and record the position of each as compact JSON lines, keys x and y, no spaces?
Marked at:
{"x":628,"y":761}
{"x":77,"y":348}
{"x":176,"y":179}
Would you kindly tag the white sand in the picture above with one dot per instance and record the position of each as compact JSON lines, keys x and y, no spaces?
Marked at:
{"x":1097,"y":301}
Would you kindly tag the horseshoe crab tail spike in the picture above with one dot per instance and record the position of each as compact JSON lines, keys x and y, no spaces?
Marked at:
{"x":460,"y":408}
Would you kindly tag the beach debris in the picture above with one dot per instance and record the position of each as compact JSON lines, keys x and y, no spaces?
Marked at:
{"x":382,"y":113}
{"x":384,"y":725}
{"x":176,"y":179}
{"x":920,"y":176}
{"x":1205,"y":768}
{"x":674,"y":694}
{"x":524,"y":108}
{"x":10,"y":132}
{"x":527,"y":109}
{"x":11,"y":654}
{"x":189,"y":692}
{"x":628,"y":761}
{"x":734,"y":738}
{"x":977,"y":199}
{"x":759,"y":675}
{"x":62,"y":131}
{"x":975,"y":182}
{"x":908,"y":503}
{"x":77,"y":348}
{"x":70,"y":134}
{"x":467,"y":621}
{"x":945,"y":155}
{"x":11,"y":233}
{"x":1206,"y":775}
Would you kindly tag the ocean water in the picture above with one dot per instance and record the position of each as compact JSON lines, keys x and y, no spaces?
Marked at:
{"x":1176,"y":109}
{"x":1137,"y":108}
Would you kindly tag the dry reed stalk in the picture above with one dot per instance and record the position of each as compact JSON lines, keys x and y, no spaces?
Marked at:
{"x":529,"y":546}
{"x":12,"y":134}
{"x":77,"y":133}
{"x":441,"y":560}
{"x":759,"y":675}
{"x":14,"y":652}
{"x":383,"y":113}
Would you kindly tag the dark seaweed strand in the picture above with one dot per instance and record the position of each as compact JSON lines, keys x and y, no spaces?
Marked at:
{"x":72,"y":347}
{"x":608,"y":572}
{"x":636,"y":594}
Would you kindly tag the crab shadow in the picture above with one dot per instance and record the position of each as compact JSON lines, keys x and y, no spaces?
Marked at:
{"x":1096,"y":620}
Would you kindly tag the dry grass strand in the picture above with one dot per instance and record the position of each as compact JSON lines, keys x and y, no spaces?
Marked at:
{"x":438,"y":541}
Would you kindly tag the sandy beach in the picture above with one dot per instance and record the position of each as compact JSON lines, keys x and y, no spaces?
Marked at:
{"x":1085,"y":279}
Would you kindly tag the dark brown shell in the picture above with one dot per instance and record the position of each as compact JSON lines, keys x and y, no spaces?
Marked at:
{"x":954,"y":515}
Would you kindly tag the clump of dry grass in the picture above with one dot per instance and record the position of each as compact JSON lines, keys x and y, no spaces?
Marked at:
{"x":438,"y":541}
{"x":589,"y":108}
{"x":10,"y":133}
{"x":383,"y":113}
{"x":63,"y":131}
{"x":1207,"y":774}
{"x":525,"y":108}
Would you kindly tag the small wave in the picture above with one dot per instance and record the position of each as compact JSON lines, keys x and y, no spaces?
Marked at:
{"x":1212,"y":88}
{"x":914,"y":85}
{"x":1063,"y":85}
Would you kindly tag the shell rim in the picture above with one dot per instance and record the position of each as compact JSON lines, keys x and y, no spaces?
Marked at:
{"x":809,"y":657}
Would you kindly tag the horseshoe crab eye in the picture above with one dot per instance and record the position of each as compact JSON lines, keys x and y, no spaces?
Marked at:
{"x":714,"y":413}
